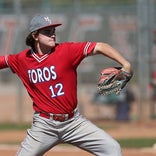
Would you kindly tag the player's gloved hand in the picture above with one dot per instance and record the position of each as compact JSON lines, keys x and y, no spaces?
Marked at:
{"x":112,"y":80}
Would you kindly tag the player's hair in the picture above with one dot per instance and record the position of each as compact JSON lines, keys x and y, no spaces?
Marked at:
{"x":30,"y":41}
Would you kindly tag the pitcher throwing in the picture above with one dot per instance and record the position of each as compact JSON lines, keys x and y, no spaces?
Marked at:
{"x":48,"y":72}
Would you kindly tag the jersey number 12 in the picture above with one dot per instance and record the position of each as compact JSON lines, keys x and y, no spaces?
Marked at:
{"x":56,"y":90}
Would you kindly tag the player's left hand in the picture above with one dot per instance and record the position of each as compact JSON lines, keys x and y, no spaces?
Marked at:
{"x":112,"y":80}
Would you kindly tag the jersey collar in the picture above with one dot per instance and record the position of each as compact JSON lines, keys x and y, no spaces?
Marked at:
{"x":41,"y":57}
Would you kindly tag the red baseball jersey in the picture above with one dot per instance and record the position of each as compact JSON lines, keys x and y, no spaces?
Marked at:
{"x":51,"y":79}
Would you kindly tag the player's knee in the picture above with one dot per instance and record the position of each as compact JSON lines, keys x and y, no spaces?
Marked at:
{"x":111,"y":148}
{"x":115,"y":149}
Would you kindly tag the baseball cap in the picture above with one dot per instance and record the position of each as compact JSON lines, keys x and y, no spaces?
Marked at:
{"x":41,"y":21}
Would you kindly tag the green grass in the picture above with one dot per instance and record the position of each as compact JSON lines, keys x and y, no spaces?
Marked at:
{"x":12,"y":126}
{"x":125,"y":143}
{"x":137,"y":142}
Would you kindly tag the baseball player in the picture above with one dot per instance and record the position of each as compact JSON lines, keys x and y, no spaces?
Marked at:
{"x":48,"y":72}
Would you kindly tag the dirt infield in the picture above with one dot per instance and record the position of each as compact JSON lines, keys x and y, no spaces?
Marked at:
{"x":120,"y":130}
{"x":62,"y":151}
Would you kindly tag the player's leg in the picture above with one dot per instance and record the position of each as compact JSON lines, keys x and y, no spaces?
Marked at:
{"x":84,"y":134}
{"x":40,"y":138}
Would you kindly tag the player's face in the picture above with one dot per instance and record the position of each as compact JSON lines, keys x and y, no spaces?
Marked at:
{"x":49,"y":32}
{"x":47,"y":37}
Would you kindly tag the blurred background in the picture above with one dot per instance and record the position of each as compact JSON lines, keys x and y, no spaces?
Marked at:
{"x":127,"y":25}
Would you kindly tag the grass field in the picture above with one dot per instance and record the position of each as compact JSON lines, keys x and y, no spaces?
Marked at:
{"x":124,"y":142}
{"x":136,"y":139}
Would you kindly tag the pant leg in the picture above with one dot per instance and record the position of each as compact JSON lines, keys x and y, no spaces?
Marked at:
{"x":84,"y":134}
{"x":40,"y":138}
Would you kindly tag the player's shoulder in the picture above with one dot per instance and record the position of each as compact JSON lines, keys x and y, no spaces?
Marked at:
{"x":68,"y":44}
{"x":63,"y":44}
{"x":25,"y":53}
{"x":17,"y":57}
{"x":75,"y":46}
{"x":21,"y":54}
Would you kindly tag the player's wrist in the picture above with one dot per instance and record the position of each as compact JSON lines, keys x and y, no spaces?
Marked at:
{"x":127,"y":67}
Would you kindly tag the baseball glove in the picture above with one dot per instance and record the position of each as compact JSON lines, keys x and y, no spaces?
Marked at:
{"x":112,"y":80}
